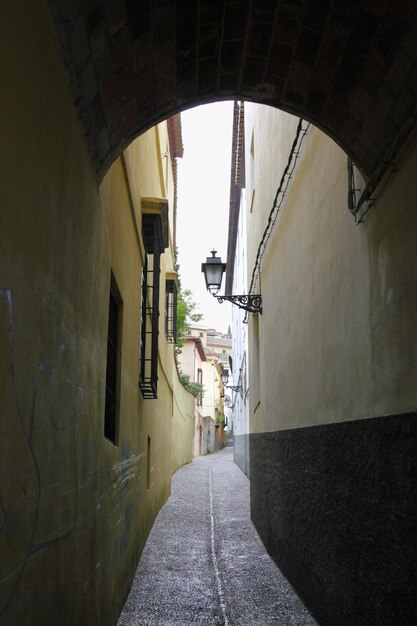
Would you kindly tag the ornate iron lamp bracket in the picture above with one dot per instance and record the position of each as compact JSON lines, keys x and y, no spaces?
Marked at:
{"x":250,"y":302}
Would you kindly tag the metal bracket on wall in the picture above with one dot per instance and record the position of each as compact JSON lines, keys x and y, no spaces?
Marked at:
{"x":250,"y":302}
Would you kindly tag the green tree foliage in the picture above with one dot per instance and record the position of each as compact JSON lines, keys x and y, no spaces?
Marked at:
{"x":186,"y":315}
{"x":194,"y":388}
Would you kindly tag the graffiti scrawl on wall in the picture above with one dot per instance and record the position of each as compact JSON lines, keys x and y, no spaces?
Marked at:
{"x":39,"y":487}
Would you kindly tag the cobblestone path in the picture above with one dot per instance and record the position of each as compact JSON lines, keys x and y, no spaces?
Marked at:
{"x":204,"y":564}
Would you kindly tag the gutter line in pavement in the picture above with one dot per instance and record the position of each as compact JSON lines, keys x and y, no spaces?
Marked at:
{"x":214,"y":557}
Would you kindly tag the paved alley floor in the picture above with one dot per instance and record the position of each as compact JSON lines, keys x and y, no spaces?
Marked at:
{"x":204,"y":564}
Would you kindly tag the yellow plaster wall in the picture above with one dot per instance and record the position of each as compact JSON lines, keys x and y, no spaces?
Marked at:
{"x":338,"y":332}
{"x":75,"y":510}
{"x":270,"y":134}
{"x":182,"y":426}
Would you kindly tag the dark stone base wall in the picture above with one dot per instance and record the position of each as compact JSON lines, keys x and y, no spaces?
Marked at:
{"x":241,"y":453}
{"x":336,"y":507}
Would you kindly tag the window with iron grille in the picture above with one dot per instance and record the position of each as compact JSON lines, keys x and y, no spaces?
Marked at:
{"x":112,"y":373}
{"x":171,"y":311}
{"x":154,"y":246}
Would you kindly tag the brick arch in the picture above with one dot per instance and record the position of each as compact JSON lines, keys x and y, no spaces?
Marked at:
{"x":348,"y":67}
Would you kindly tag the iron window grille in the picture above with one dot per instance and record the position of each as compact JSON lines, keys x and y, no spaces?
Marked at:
{"x":155,"y":243}
{"x":171,"y":311}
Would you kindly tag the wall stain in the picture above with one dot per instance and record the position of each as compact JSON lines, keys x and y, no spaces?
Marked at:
{"x":25,"y":503}
{"x":127,"y":473}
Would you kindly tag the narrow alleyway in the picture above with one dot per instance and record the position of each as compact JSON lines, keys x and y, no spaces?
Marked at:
{"x":204,"y":563}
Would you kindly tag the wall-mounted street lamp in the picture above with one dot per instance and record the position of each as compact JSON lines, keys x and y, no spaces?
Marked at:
{"x":213,"y":270}
{"x":225,"y":379}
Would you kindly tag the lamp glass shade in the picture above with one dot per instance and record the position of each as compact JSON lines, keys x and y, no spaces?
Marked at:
{"x":213,"y":270}
{"x":225,"y":376}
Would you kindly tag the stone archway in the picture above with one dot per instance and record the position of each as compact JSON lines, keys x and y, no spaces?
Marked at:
{"x":347,"y":67}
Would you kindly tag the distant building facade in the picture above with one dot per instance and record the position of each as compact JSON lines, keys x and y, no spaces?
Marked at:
{"x":203,"y":356}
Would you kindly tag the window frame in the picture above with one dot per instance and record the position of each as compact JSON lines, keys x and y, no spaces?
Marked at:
{"x":155,"y":240}
{"x":171,"y":310}
{"x":113,"y":358}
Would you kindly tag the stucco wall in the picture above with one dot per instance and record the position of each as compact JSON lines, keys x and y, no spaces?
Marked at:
{"x":337,"y":333}
{"x":75,"y":509}
{"x":182,"y":426}
{"x":52,"y":357}
{"x":332,"y":492}
{"x":189,"y":360}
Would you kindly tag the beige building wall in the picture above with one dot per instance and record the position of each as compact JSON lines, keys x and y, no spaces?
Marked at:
{"x":210,"y":409}
{"x":337,"y":331}
{"x":183,"y":427}
{"x":191,"y":360}
{"x":211,"y":384}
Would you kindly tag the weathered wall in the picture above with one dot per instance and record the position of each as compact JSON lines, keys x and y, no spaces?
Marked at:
{"x":52,"y":356}
{"x":75,"y":509}
{"x":330,"y":488}
{"x":121,"y":191}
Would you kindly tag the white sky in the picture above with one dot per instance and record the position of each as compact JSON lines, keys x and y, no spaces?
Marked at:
{"x":203,"y":202}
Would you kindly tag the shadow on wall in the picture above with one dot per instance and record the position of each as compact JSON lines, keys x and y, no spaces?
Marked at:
{"x":38,"y":499}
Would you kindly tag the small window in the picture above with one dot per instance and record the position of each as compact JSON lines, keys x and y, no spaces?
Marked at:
{"x":112,"y":369}
{"x":200,"y":381}
{"x":148,"y":463}
{"x":171,"y":311}
{"x":154,"y":242}
{"x":148,"y":373}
